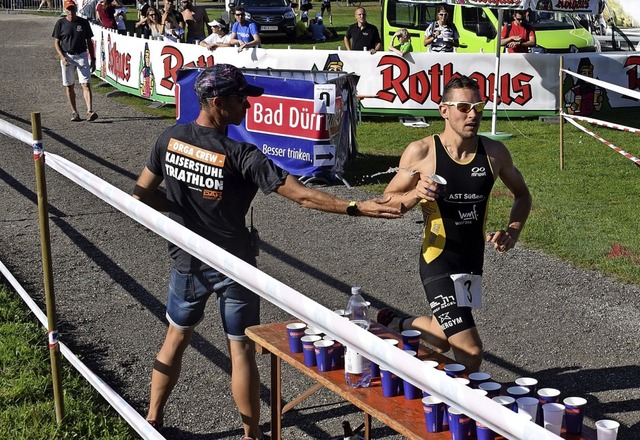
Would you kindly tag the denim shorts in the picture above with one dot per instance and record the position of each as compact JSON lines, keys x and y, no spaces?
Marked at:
{"x":188,"y":294}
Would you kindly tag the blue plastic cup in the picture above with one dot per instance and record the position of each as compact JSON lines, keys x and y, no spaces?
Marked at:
{"x":459,"y":424}
{"x":390,"y":383}
{"x":295,"y":331}
{"x":574,"y":414}
{"x":308,"y":349}
{"x":411,"y":340}
{"x":433,"y":410}
{"x":323,"y":349}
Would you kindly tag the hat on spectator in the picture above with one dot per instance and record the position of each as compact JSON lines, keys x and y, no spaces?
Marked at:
{"x":69,"y":4}
{"x":224,"y":80}
{"x":319,"y":16}
{"x":304,"y":16}
{"x":220,"y":23}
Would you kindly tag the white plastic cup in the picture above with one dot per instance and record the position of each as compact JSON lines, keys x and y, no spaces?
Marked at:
{"x":430,"y":363}
{"x":607,"y":429}
{"x":528,"y":405}
{"x":528,"y":382}
{"x":553,"y":414}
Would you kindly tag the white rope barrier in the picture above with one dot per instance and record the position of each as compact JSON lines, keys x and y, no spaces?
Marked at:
{"x":605,"y":85}
{"x":495,"y":416}
{"x":600,"y":123}
{"x":132,"y":417}
{"x":604,"y":141}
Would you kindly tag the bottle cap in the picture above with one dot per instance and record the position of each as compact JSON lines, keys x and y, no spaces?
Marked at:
{"x":355,"y":289}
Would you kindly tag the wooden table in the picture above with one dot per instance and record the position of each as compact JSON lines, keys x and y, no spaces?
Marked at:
{"x":404,"y":416}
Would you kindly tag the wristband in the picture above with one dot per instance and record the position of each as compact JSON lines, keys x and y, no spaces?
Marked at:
{"x":352,"y":209}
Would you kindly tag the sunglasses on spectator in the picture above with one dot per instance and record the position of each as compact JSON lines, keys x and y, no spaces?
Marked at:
{"x":518,"y":18}
{"x":242,"y":99}
{"x":443,"y":14}
{"x":239,"y":15}
{"x":466,"y":107}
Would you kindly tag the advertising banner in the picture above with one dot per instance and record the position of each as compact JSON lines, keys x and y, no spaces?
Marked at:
{"x":304,"y":121}
{"x":389,"y":84}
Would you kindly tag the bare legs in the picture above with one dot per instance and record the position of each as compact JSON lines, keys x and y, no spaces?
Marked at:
{"x":466,"y":345}
{"x":245,"y":378}
{"x":245,"y":385}
{"x":166,"y":371}
{"x":86,"y":94}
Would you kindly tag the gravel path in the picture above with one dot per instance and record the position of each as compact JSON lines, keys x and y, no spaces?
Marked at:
{"x":572,"y":329}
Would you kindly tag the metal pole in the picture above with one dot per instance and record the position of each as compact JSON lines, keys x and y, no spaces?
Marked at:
{"x":561,"y":121}
{"x":45,"y":245}
{"x":496,"y":81}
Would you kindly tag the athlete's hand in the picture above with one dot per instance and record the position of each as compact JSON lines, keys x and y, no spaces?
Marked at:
{"x":379,"y":207}
{"x":427,"y":189}
{"x":502,"y":240}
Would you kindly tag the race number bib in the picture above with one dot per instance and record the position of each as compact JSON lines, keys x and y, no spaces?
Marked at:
{"x":468,"y":289}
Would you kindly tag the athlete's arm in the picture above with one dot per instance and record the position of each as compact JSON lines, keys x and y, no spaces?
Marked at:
{"x":407,"y":187}
{"x":513,"y":179}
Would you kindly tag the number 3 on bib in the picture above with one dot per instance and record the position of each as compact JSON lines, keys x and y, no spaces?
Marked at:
{"x":468,"y":289}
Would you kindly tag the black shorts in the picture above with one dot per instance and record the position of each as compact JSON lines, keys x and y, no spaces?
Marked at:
{"x":442,"y":300}
{"x":325,"y":7}
{"x":306,"y":7}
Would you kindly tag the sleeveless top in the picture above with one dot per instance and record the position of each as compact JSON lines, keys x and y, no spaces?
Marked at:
{"x":454,"y":236}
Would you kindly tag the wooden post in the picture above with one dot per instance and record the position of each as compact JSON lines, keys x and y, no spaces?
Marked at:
{"x":561,"y":101}
{"x":45,"y":245}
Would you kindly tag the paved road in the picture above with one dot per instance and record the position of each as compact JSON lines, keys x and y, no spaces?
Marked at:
{"x":571,"y":329}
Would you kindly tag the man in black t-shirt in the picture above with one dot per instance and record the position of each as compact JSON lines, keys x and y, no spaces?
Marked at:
{"x":362,"y":34}
{"x":72,"y":42}
{"x":210,"y":182}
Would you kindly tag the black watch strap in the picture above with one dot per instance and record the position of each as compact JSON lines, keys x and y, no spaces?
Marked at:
{"x":352,"y":209}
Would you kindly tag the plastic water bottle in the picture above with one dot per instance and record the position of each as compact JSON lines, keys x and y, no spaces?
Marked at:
{"x":357,"y":368}
{"x":348,"y":432}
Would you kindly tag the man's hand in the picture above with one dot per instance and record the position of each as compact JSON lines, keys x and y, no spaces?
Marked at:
{"x":427,"y":189}
{"x":378,"y":207}
{"x":93,"y":65}
{"x":502,"y":240}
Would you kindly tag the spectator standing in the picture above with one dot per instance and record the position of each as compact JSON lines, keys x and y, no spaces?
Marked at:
{"x":305,"y":6}
{"x":72,"y":41}
{"x":106,"y":14}
{"x":326,"y":6}
{"x":121,"y":20}
{"x":239,"y":170}
{"x":44,"y":2}
{"x":219,"y":37}
{"x":153,"y":21}
{"x":195,"y":18}
{"x":518,"y":36}
{"x":362,"y":34}
{"x":142,"y":6}
{"x":244,"y":33}
{"x":173,"y":22}
{"x":441,"y":35}
{"x":403,"y":45}
{"x":452,"y":251}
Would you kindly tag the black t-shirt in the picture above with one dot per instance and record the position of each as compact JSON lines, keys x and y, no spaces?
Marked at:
{"x":367,"y":37}
{"x":73,"y":35}
{"x":211,"y":181}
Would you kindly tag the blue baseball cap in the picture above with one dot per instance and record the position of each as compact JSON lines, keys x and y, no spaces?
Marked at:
{"x":224,"y":80}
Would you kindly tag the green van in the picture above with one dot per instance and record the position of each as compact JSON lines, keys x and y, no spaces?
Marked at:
{"x":556,"y":32}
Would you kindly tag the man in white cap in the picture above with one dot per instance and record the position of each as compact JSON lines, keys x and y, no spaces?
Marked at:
{"x":318,"y":31}
{"x":218,"y":37}
{"x":72,"y":42}
{"x":210,"y":181}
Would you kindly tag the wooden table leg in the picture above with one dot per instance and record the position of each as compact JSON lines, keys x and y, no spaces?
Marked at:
{"x":367,"y":426}
{"x":276,"y":397}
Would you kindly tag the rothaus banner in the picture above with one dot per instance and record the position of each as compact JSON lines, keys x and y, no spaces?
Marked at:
{"x":304,"y":121}
{"x":529,"y":84}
